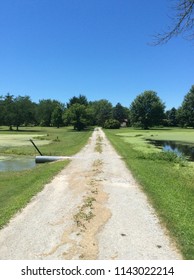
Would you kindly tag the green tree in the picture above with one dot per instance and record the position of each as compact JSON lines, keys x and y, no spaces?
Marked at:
{"x":57,"y":116}
{"x":1,"y":110}
{"x":171,"y":116}
{"x":24,"y":111}
{"x":45,"y":109}
{"x":77,"y":116}
{"x":120,"y":113}
{"x":81,"y":99}
{"x":186,"y":111}
{"x":100,"y":111}
{"x":8,"y":111}
{"x":147,"y":110}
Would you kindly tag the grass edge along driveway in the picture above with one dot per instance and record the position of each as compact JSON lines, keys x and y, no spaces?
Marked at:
{"x":166,"y":180}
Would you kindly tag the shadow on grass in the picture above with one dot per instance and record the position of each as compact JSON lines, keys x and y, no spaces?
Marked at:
{"x":83,"y":130}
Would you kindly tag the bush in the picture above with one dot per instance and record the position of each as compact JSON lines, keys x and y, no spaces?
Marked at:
{"x":112,"y":124}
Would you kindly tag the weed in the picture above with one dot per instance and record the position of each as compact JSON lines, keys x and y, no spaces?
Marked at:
{"x":85,"y":214}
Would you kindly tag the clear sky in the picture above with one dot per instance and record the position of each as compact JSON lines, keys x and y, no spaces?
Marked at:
{"x":98,"y":48}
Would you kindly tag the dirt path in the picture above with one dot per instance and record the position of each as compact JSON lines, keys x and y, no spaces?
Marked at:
{"x":93,"y":209}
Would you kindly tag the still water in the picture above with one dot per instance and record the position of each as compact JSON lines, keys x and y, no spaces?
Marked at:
{"x":16,"y":164}
{"x":186,"y":150}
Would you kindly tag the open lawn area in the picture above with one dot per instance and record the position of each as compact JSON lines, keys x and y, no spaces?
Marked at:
{"x":167,"y":179}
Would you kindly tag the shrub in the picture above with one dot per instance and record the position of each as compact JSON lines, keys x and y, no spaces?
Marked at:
{"x":112,"y":124}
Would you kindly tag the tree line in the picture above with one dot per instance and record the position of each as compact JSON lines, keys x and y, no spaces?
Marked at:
{"x":147,"y":110}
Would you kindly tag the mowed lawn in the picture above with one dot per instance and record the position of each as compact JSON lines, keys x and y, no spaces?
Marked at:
{"x":167,"y":180}
{"x":17,"y":188}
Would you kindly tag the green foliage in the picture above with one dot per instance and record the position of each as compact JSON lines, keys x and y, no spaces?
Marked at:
{"x":171,"y":117}
{"x":24,"y":111}
{"x":186,"y":111}
{"x":45,"y":110}
{"x":81,"y":99}
{"x":147,"y":110}
{"x":120,"y":113}
{"x":100,"y":111}
{"x":77,"y":116}
{"x":57,"y":116}
{"x":8,"y":111}
{"x":112,"y":124}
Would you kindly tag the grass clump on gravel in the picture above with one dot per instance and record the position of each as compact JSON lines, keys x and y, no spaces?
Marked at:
{"x":17,"y":188}
{"x":167,"y":180}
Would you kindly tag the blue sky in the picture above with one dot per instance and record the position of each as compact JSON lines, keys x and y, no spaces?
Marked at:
{"x":98,"y":48}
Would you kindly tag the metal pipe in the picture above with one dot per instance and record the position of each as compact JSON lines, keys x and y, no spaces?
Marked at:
{"x":35,"y":147}
{"x":43,"y":159}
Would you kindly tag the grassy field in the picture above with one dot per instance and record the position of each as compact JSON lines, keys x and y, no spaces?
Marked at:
{"x":17,"y":188}
{"x":167,"y":180}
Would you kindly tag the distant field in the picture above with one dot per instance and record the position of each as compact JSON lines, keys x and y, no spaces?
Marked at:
{"x":16,"y":140}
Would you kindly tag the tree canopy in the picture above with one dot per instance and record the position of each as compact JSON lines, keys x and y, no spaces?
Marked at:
{"x":186,"y":111}
{"x":147,"y":110}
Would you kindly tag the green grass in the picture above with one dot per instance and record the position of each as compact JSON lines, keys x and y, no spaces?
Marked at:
{"x":59,"y":141}
{"x":168,"y":181}
{"x":17,"y":188}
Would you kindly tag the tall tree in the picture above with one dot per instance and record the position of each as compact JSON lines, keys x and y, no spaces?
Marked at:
{"x":76,"y":115}
{"x":120,"y":113}
{"x":44,"y":111}
{"x":186,"y":111}
{"x":24,"y":111}
{"x":171,"y":116}
{"x":101,"y":111}
{"x":1,"y":110}
{"x":57,"y":116}
{"x":147,"y":110}
{"x":8,"y":111}
{"x":183,"y":22}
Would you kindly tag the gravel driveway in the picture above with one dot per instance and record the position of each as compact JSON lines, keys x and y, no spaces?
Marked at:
{"x":93,"y":209}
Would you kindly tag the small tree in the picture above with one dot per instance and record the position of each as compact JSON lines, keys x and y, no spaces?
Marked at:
{"x":147,"y":110}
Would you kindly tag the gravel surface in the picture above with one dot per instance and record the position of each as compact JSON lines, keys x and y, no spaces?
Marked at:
{"x":93,"y":209}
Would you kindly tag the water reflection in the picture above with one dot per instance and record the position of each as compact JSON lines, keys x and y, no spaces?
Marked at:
{"x":186,"y":150}
{"x":16,"y":164}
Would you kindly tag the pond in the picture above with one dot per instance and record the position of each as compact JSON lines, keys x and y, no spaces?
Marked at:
{"x":16,"y":164}
{"x":186,"y":150}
